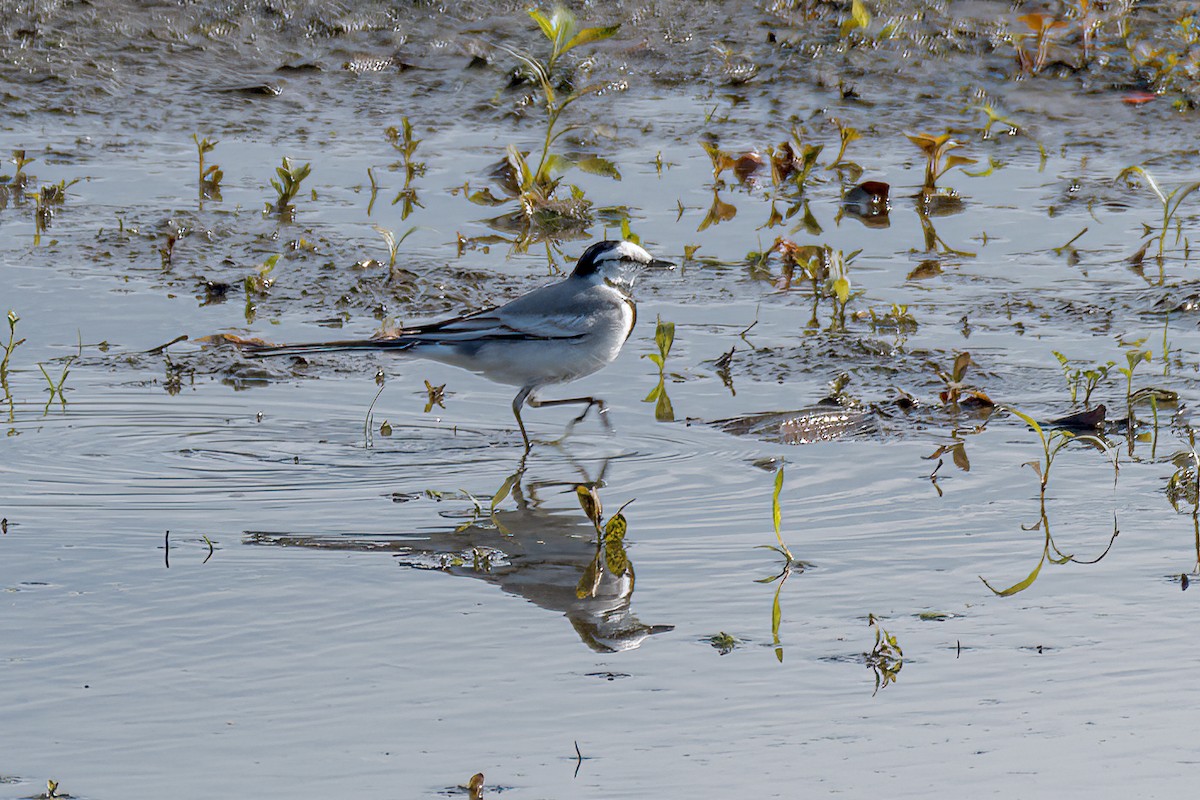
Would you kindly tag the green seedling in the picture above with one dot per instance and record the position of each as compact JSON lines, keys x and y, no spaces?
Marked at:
{"x":1055,"y":441}
{"x":562,"y":29}
{"x":288,"y":186}
{"x":610,"y":557}
{"x":994,"y":118}
{"x":846,"y":135}
{"x":59,"y":386}
{"x":405,"y":143}
{"x":724,"y":643}
{"x":258,"y":284}
{"x":12,"y":344}
{"x":393,"y":245}
{"x":886,"y":658}
{"x":898,"y":319}
{"x":1133,"y":356}
{"x":937,"y":162}
{"x":1170,"y":205}
{"x":789,"y":563}
{"x":20,"y":179}
{"x":208,"y":175}
{"x":957,"y":391}
{"x":1044,"y":28}
{"x":664,"y":338}
{"x":859,"y":19}
{"x":1080,"y":377}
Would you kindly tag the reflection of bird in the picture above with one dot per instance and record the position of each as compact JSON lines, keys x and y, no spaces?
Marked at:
{"x":554,"y":334}
{"x":549,"y":556}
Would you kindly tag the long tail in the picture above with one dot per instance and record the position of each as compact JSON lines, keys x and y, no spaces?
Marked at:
{"x":263,"y":350}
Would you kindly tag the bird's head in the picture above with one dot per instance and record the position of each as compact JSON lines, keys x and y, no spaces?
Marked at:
{"x":615,"y":263}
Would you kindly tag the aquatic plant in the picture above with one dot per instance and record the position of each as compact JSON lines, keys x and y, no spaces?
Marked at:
{"x":1086,"y":377}
{"x":827,"y":270}
{"x":885,"y":658}
{"x":1043,"y":28}
{"x":957,"y":390}
{"x":288,"y":186}
{"x":846,"y":135}
{"x":393,"y":245}
{"x":611,"y":557}
{"x":12,"y":344}
{"x":1170,"y":206}
{"x":664,"y":337}
{"x":209,"y":176}
{"x":937,"y":162}
{"x":257,"y":285}
{"x":789,"y":563}
{"x":1055,"y":441}
{"x":1134,"y":355}
{"x":535,"y":185}
{"x":59,"y":386}
{"x":405,"y":143}
{"x":436,"y":396}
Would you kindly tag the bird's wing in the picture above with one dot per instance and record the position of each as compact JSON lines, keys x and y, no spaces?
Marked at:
{"x":529,"y":317}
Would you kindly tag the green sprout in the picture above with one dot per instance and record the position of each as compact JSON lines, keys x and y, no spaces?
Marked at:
{"x":885,"y":659}
{"x":258,"y":284}
{"x":405,"y":143}
{"x":57,"y":387}
{"x":1170,"y":204}
{"x":208,"y":175}
{"x":937,"y":162}
{"x":13,"y":344}
{"x":393,"y":245}
{"x":1133,"y":356}
{"x":288,"y":186}
{"x":1087,"y":378}
{"x":664,"y":337}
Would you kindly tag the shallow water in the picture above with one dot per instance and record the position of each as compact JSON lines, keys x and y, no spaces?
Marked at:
{"x":221,"y":577}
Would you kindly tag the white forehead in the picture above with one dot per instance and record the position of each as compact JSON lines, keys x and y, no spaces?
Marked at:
{"x":626,"y":250}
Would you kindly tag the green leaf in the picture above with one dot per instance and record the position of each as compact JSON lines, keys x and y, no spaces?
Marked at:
{"x":841,"y":287}
{"x":504,"y":490}
{"x":1022,"y":585}
{"x":600,"y":166}
{"x":776,"y":513}
{"x":664,"y":337}
{"x":588,"y":35}
{"x":543,"y":23}
{"x":616,"y":527}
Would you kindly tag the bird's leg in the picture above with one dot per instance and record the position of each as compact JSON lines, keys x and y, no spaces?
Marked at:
{"x":519,"y":401}
{"x":590,"y":401}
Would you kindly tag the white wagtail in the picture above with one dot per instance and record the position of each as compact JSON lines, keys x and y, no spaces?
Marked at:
{"x":554,"y":334}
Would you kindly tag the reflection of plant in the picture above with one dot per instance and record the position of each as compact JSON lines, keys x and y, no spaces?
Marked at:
{"x":886,"y":658}
{"x":258,"y":284}
{"x":1089,"y":378}
{"x":664,"y":337}
{"x":1183,"y":489}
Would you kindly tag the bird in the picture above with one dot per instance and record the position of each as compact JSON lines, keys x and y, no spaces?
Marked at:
{"x":554,"y":334}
